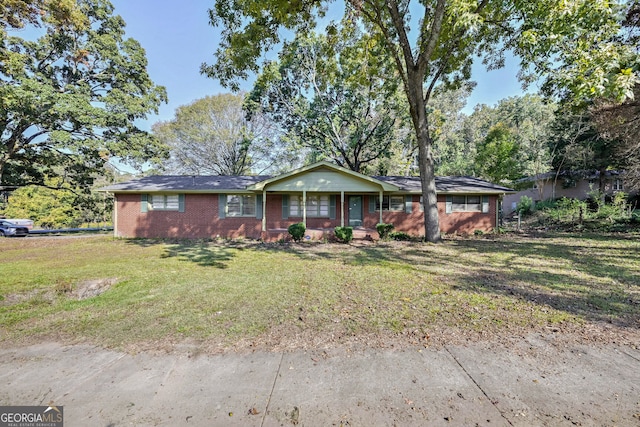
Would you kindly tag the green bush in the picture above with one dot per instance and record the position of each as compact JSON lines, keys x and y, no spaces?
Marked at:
{"x":344,"y":234}
{"x":544,"y":205}
{"x":384,"y":230}
{"x":525,"y":205}
{"x":399,"y":235}
{"x":478,"y":232}
{"x":297,"y":231}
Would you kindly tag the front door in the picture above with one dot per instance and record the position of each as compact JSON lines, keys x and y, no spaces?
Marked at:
{"x":355,"y":211}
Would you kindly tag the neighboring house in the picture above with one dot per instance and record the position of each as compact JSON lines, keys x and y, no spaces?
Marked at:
{"x":574,"y":185}
{"x":321,"y":195}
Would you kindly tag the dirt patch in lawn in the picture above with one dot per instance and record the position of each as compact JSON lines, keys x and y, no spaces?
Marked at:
{"x":93,"y":288}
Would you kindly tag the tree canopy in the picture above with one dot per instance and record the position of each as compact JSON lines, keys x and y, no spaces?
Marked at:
{"x":434,"y":43}
{"x":331,"y":95}
{"x":70,"y":98}
{"x":213,"y":135}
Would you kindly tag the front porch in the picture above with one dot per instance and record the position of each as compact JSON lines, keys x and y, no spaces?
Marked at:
{"x":281,"y":234}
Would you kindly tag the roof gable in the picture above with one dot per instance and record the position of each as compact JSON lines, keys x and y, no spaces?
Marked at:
{"x":323,"y":176}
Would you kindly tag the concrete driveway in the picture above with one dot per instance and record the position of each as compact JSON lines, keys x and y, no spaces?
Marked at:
{"x":532,"y":383}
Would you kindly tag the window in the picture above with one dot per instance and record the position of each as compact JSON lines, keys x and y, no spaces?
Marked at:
{"x":241,"y":205}
{"x":617,"y":185}
{"x":165,"y":202}
{"x":390,"y":203}
{"x":467,"y":204}
{"x":317,"y":206}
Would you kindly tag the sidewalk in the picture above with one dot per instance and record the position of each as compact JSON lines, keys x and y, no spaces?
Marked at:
{"x":532,"y":384}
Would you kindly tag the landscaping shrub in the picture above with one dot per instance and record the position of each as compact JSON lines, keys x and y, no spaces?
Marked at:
{"x":544,"y":205}
{"x":344,"y":234}
{"x":399,"y":235}
{"x":297,"y":231}
{"x":525,"y":205}
{"x":384,"y":230}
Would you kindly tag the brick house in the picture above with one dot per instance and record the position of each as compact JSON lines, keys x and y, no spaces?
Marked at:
{"x":321,"y":195}
{"x":570,"y":184}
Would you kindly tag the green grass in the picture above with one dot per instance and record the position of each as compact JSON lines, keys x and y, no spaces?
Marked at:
{"x":289,"y":295}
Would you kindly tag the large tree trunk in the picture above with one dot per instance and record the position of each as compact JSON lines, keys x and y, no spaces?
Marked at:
{"x":417,"y":106}
{"x":429,"y":196}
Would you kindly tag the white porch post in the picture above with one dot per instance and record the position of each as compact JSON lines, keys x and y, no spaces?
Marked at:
{"x":381,"y":197}
{"x":342,"y":208}
{"x":304,"y":207}
{"x":264,"y":210}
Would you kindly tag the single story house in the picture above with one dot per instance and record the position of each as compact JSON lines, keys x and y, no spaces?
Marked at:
{"x":321,"y":195}
{"x":570,"y":184}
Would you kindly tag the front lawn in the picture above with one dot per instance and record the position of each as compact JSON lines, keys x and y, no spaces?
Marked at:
{"x":139,"y":294}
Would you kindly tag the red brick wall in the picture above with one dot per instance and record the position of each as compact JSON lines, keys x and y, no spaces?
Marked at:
{"x":467,"y":222}
{"x":200,"y":219}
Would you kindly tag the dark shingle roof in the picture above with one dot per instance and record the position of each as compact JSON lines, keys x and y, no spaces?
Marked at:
{"x":446,"y":184}
{"x":187,"y":183}
{"x":219,"y":183}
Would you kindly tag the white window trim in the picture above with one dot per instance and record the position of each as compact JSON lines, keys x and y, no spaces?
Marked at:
{"x":242,"y":206}
{"x":467,"y":204}
{"x":311,"y":210}
{"x":166,"y":205}
{"x":389,"y":204}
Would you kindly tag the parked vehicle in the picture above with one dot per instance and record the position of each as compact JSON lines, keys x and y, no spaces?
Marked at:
{"x":9,"y":229}
{"x":21,"y":222}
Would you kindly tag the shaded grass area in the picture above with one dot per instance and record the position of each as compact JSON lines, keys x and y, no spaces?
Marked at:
{"x":230,"y":292}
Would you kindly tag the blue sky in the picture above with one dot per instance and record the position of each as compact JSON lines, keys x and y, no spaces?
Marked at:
{"x":178,"y":38}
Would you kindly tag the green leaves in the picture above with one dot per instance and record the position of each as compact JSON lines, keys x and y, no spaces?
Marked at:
{"x":81,"y":85}
{"x":497,"y":155}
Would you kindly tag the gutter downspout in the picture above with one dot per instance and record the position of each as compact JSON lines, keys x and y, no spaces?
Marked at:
{"x":115,"y":214}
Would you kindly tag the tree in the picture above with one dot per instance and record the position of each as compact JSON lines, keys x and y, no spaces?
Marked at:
{"x":528,"y":119}
{"x":621,"y":120}
{"x":454,"y":152}
{"x":212,"y":135}
{"x":579,"y":147}
{"x":446,"y":37}
{"x":69,"y":100}
{"x":330,"y":94}
{"x":497,"y":155}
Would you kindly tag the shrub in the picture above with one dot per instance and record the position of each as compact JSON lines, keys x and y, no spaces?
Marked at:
{"x":297,"y":231}
{"x":399,"y":235}
{"x":384,"y":230}
{"x":344,"y":234}
{"x":525,"y":205}
{"x":478,"y":232}
{"x":544,"y":205}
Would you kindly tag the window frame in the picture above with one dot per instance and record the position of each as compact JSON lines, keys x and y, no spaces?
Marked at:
{"x":387,"y":203}
{"x":165,"y":204}
{"x":242,"y":205}
{"x":482,"y":205}
{"x":618,"y":185}
{"x":313,"y":211}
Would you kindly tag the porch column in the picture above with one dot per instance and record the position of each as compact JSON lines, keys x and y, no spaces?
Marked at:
{"x":264,"y":210}
{"x":342,"y":208}
{"x":304,"y":207}
{"x":381,"y":197}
